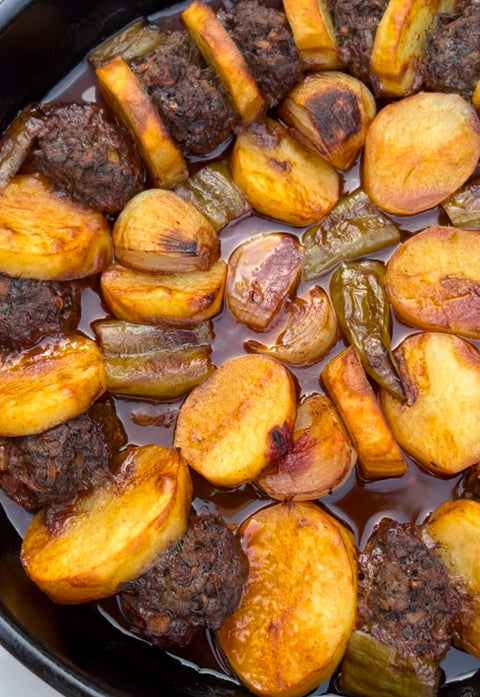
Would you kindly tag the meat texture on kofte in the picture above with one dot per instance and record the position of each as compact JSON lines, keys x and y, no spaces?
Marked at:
{"x":53,"y":466}
{"x":88,"y":156}
{"x":196,"y":582}
{"x":266,"y":42}
{"x":31,"y":309}
{"x":187,"y":94}
{"x":405,"y":598}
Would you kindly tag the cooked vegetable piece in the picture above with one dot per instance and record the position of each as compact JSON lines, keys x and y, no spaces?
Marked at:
{"x":353,"y":228}
{"x":321,"y":456}
{"x":298,"y":607}
{"x":160,"y":231}
{"x":131,"y":104}
{"x":220,"y":51}
{"x":309,"y":334}
{"x":262,"y":273}
{"x":357,"y":290}
{"x":347,"y":385}
{"x":433,"y":280}
{"x":463,"y":206}
{"x":330,"y":112}
{"x":87,"y":549}
{"x":46,"y":236}
{"x":116,"y":337}
{"x":301,"y":186}
{"x":41,"y":387}
{"x":437,"y":426}
{"x":239,"y":421}
{"x":180,"y":299}
{"x":215,"y":194}
{"x":400,"y":45}
{"x":17,"y":141}
{"x":314,"y":33}
{"x":405,"y":143}
{"x":136,"y":39}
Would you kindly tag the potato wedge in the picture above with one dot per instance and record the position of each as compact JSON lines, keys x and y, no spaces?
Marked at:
{"x":405,"y":143}
{"x":159,"y":231}
{"x":314,"y":33}
{"x":111,"y":534}
{"x":301,"y":186}
{"x":400,"y":45}
{"x":178,"y":299}
{"x":128,"y":100}
{"x":44,"y":386}
{"x":438,"y":424}
{"x":330,"y":113}
{"x":298,"y":607}
{"x":221,"y":52}
{"x":320,"y":459}
{"x":347,"y":384}
{"x":46,"y":236}
{"x":455,"y":527}
{"x":433,"y":280}
{"x":239,"y":421}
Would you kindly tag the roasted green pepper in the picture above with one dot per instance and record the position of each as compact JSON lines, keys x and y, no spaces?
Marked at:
{"x":135,"y":40}
{"x":353,"y":228}
{"x":17,"y":142}
{"x":357,"y":290}
{"x":463,"y":207}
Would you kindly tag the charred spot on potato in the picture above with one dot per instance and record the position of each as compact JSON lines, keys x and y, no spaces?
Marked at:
{"x":334,"y":111}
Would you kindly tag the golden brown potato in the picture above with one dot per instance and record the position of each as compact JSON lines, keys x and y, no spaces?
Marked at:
{"x":308,"y":111}
{"x":455,"y":527}
{"x":405,"y":144}
{"x":160,"y":231}
{"x":476,"y":95}
{"x":239,"y":421}
{"x":400,"y":45}
{"x":130,"y":103}
{"x":221,"y":52}
{"x":40,"y":388}
{"x":314,"y":33}
{"x":347,"y":384}
{"x":321,"y":458}
{"x":280,"y":178}
{"x":176,"y":299}
{"x":262,"y":273}
{"x":438,"y":424}
{"x":298,"y":608}
{"x":433,"y":280}
{"x":47,"y":236}
{"x":111,"y":534}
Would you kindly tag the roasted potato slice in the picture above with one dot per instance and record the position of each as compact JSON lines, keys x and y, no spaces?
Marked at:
{"x":159,"y":231}
{"x":455,"y":527}
{"x":237,"y":422}
{"x":175,"y":299}
{"x":314,"y":33}
{"x":88,"y":548}
{"x":347,"y":384}
{"x":405,"y":143}
{"x":131,"y":104}
{"x":299,"y":604}
{"x":438,"y":424}
{"x":320,"y":459}
{"x":280,"y":178}
{"x":400,"y":45}
{"x":44,"y":386}
{"x":330,"y":113}
{"x":433,"y":280}
{"x":46,"y":236}
{"x":221,"y":52}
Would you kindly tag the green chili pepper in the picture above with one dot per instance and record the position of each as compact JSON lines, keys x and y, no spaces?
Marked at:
{"x":17,"y":142}
{"x":137,"y":39}
{"x":357,"y":290}
{"x":463,"y":207}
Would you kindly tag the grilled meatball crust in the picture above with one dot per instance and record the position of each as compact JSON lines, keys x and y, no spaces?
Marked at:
{"x":196,"y":582}
{"x":89,"y":157}
{"x":53,"y":466}
{"x":405,"y":597}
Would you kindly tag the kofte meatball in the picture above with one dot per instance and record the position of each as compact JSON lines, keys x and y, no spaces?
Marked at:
{"x":31,"y":309}
{"x":88,"y":156}
{"x":405,"y":598}
{"x":196,"y":582}
{"x":53,"y":466}
{"x":264,"y":38}
{"x":187,"y":94}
